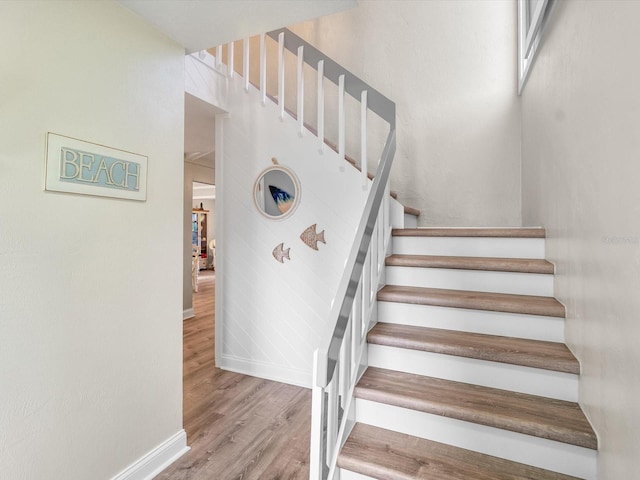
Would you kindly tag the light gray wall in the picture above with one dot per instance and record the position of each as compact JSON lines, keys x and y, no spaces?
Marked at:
{"x":90,"y":306}
{"x":450,"y":66}
{"x":581,"y":171}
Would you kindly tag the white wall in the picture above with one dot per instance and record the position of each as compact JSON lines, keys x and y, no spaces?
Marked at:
{"x":90,"y":309}
{"x":580,"y":180}
{"x":450,"y":66}
{"x":270,"y":317}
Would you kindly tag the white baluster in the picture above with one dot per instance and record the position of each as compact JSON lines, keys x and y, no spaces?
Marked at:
{"x":246,"y":64}
{"x":281,"y":74}
{"x":385,"y":212}
{"x":231,"y":60}
{"x":373,"y":247}
{"x":356,"y":322}
{"x":317,"y":421}
{"x":218,"y":55}
{"x":366,"y":291}
{"x":381,"y":229}
{"x":363,"y":138}
{"x":374,"y":264}
{"x":321,"y":106}
{"x":332,"y":413}
{"x":263,"y":68}
{"x":341,"y":123}
{"x":345,"y":364}
{"x":300,"y":90}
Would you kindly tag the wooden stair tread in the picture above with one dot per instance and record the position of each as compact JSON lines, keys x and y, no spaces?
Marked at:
{"x":389,"y":455}
{"x":542,"y":417}
{"x":516,"y":351}
{"x":522,"y":265}
{"x":470,"y":232}
{"x":498,"y":302}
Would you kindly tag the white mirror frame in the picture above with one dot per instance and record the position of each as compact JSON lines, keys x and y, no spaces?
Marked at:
{"x":258,"y":186}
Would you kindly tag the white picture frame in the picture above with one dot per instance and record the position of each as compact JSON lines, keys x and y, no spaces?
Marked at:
{"x":85,"y":168}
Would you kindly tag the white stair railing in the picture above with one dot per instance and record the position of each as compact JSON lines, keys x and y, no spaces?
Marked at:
{"x":341,"y":358}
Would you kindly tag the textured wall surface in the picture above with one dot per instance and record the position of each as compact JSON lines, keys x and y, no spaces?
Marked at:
{"x":451,"y":69}
{"x":273,"y":315}
{"x":580,"y":180}
{"x":90,"y":288}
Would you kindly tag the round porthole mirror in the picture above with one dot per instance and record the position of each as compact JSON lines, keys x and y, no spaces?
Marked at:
{"x":277,"y":192}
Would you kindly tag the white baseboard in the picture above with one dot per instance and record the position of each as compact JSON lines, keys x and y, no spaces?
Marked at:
{"x":188,"y":313}
{"x":154,"y":462}
{"x":291,"y":376}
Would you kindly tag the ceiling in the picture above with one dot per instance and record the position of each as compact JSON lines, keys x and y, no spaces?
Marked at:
{"x":201,"y":24}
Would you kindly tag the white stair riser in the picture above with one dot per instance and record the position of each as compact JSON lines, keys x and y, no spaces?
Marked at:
{"x":474,"y":280}
{"x":470,"y":246}
{"x":534,"y":381}
{"x":534,"y":327}
{"x":548,"y":454}
{"x":349,"y":475}
{"x":410,"y":221}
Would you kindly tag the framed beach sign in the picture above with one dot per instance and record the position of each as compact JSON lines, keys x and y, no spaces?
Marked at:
{"x":85,"y":168}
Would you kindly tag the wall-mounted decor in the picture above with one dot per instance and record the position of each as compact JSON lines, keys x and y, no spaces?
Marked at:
{"x":279,"y":253}
{"x":76,"y":166}
{"x":311,"y":237}
{"x":276,"y":192}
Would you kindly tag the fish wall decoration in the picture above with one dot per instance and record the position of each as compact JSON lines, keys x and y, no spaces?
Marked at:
{"x":280,"y":253}
{"x":311,"y":237}
{"x":284,"y":200}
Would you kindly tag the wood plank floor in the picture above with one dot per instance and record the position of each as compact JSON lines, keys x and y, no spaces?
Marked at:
{"x":238,"y":427}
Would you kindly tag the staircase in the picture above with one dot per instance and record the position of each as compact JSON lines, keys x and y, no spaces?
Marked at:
{"x":446,"y":358}
{"x":468,"y":376}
